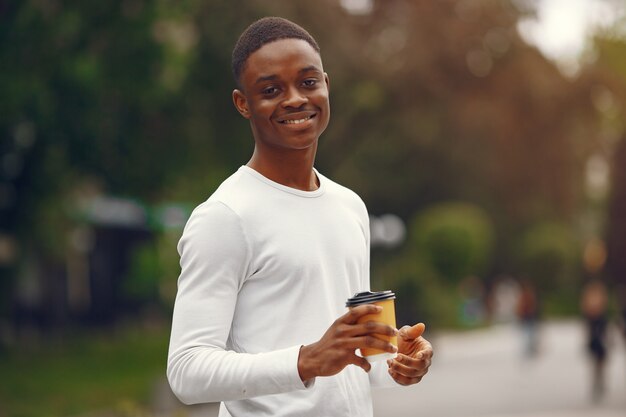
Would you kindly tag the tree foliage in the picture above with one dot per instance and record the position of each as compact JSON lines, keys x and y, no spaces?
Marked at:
{"x":456,"y":239}
{"x":432,"y":101}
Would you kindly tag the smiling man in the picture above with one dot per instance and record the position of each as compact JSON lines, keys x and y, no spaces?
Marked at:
{"x":268,"y":261}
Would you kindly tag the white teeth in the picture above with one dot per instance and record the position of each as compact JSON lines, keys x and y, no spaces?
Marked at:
{"x":295,"y":122}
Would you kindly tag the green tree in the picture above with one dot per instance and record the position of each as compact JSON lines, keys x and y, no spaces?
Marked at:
{"x":456,"y":239}
{"x":549,"y":255}
{"x":432,"y":102}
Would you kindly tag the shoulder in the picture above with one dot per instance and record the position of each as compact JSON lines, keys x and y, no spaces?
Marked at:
{"x":346,"y":195}
{"x":212,"y":219}
{"x":218,"y":215}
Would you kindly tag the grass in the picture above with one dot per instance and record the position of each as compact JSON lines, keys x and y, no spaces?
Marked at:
{"x":83,"y":373}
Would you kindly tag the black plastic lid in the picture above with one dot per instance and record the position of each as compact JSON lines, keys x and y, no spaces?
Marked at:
{"x":368,"y":297}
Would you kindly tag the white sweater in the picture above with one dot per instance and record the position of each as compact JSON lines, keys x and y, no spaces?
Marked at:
{"x":266,"y":269}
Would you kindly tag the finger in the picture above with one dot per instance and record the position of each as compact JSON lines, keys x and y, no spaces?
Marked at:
{"x":355,"y":313}
{"x":412,"y":332}
{"x":422,"y":358}
{"x":425,"y":352}
{"x":409,"y":361}
{"x":403,"y":370}
{"x":408,"y":367}
{"x":422,"y":349}
{"x":404,"y":380}
{"x":360,"y":362}
{"x":426,"y":360}
{"x":370,"y":342}
{"x":371,"y":327}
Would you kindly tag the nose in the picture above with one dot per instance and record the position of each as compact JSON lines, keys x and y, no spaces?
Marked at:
{"x":294,"y":98}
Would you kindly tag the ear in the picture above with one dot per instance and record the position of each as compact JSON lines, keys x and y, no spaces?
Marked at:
{"x":241,"y":103}
{"x":327,"y":80}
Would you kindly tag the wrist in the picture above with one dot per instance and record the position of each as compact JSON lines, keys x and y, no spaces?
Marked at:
{"x":306,"y":366}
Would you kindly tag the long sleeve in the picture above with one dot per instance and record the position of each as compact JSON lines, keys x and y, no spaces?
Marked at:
{"x":214,"y":258}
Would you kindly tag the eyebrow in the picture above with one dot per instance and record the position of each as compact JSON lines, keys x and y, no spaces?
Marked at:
{"x":309,"y":68}
{"x":266,"y":78}
{"x":274,"y":77}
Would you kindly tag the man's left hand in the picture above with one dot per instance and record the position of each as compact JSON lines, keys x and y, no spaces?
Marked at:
{"x":414,"y":356}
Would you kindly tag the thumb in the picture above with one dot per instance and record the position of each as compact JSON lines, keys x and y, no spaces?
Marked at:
{"x":412,"y":332}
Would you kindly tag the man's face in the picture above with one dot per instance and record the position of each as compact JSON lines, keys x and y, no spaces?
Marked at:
{"x":284,"y":94}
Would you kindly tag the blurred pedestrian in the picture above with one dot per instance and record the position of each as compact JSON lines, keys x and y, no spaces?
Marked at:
{"x":472,"y":309}
{"x":528,"y":317}
{"x":268,"y":261}
{"x":504,"y":295}
{"x":621,"y":304}
{"x":594,"y":307}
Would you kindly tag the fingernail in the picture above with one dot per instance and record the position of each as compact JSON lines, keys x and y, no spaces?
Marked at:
{"x":420,"y":356}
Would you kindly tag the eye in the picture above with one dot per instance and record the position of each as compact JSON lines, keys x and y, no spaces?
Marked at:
{"x":311,"y":82}
{"x":269,"y":91}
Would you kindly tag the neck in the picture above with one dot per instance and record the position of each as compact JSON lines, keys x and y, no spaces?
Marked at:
{"x":292,"y":169}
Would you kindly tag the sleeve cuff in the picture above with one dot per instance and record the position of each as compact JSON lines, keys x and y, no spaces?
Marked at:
{"x":283,"y":366}
{"x":309,"y":383}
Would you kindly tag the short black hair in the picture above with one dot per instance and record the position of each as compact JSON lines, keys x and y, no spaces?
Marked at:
{"x":264,"y":31}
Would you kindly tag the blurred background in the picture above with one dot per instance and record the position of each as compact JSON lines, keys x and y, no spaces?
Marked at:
{"x":486,"y":137}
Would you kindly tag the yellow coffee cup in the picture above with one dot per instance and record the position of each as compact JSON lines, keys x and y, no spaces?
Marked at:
{"x":384,"y":299}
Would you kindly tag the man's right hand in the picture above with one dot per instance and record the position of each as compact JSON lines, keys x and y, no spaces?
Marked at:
{"x":336,"y":349}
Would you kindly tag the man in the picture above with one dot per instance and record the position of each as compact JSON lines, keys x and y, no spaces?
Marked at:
{"x":268,"y":261}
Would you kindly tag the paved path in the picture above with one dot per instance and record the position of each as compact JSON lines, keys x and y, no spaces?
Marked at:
{"x":482,"y":373}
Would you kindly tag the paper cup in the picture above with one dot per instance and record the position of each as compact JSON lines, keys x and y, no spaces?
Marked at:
{"x":385,"y":299}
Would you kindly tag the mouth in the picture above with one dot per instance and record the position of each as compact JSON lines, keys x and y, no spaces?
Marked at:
{"x":297,"y":119}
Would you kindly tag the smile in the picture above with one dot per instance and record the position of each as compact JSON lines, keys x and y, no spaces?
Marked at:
{"x":297,"y":121}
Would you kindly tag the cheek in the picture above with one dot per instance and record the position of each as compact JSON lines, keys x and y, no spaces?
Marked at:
{"x":320,"y":99}
{"x":324,"y":104}
{"x":323,"y":95}
{"x":262,"y":111}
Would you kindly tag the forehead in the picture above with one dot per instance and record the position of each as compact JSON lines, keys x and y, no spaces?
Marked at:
{"x":279,"y":58}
